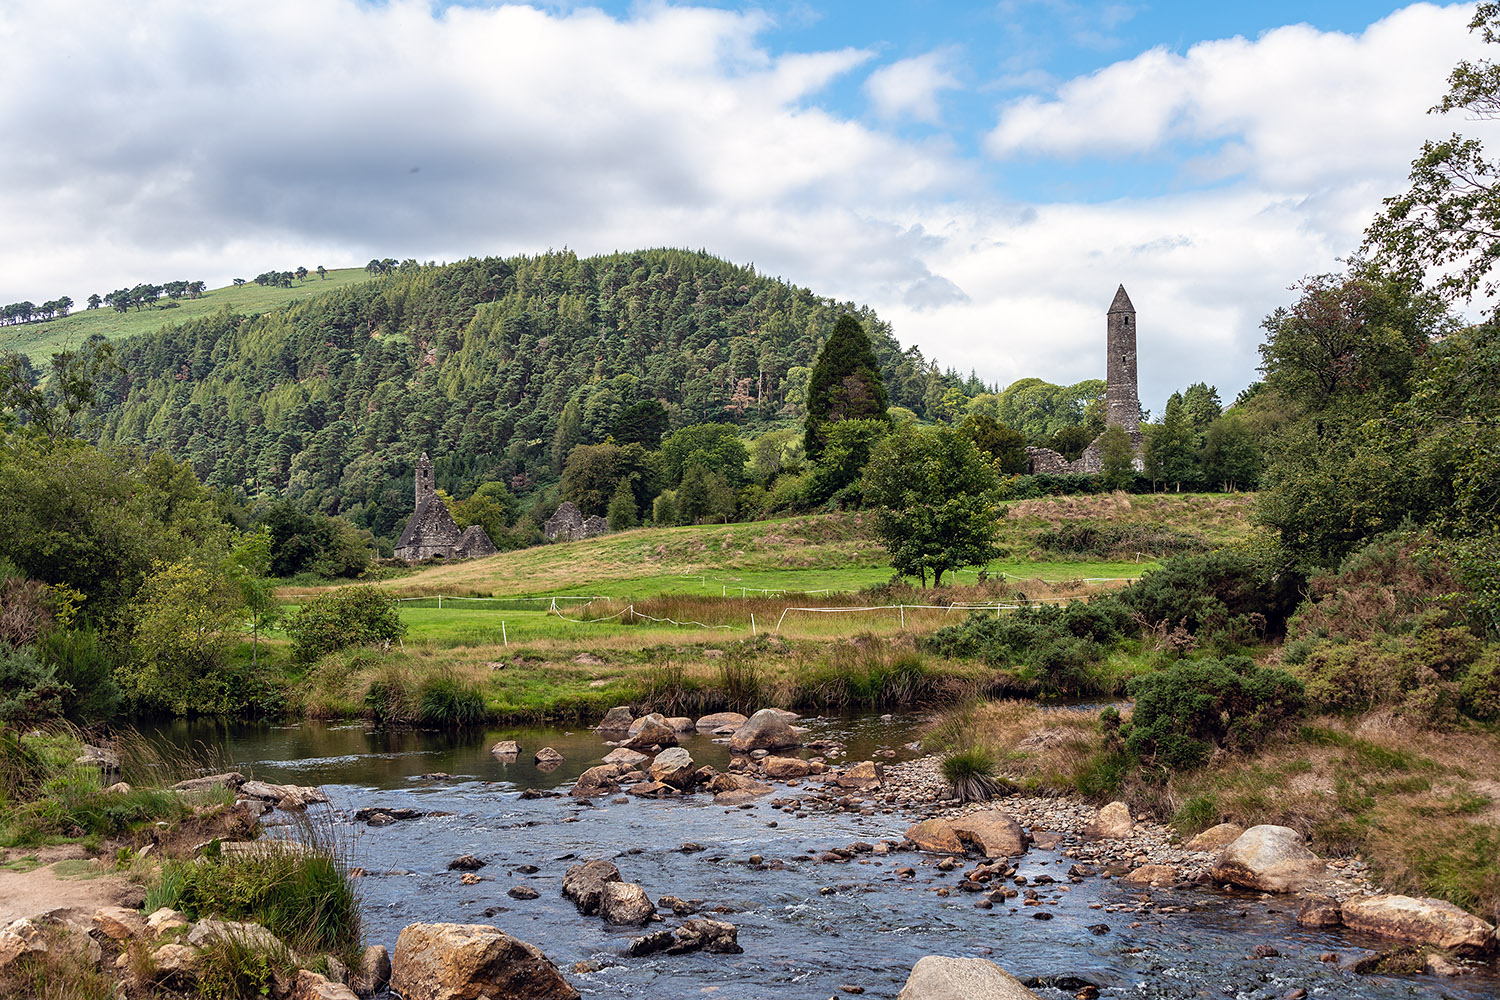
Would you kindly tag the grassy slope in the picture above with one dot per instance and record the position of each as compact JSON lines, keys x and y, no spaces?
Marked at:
{"x":836,"y":552}
{"x":555,"y":667}
{"x":40,"y":340}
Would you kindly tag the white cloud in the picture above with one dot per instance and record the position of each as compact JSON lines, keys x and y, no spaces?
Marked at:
{"x":909,"y":88}
{"x":213,"y":139}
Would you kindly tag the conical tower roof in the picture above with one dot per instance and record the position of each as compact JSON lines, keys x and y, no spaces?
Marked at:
{"x":1121,"y":304}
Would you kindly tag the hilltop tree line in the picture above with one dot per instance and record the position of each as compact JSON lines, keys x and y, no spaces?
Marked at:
{"x":283,"y":279}
{"x":30,"y":312}
{"x":496,"y":368}
{"x":146,"y":294}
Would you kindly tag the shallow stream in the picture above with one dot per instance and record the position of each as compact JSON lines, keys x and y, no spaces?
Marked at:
{"x":806,"y":929}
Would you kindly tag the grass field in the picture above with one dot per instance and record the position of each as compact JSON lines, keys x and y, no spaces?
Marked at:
{"x":41,"y":340}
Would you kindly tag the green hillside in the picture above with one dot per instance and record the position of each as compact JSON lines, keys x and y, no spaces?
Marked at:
{"x":496,"y":368}
{"x":41,"y":340}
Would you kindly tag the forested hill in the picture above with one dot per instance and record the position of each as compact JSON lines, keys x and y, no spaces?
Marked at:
{"x":328,"y":401}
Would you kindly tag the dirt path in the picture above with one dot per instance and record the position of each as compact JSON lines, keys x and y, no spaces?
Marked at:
{"x":67,"y":880}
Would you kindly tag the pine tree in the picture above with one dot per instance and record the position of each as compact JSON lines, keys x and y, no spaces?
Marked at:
{"x":845,"y":384}
{"x":622,"y":510}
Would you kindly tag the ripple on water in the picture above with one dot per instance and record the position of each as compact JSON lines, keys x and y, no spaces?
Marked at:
{"x":798,"y":942}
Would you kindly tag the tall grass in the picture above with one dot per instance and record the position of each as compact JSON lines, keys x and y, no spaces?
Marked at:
{"x":300,"y":891}
{"x":866,"y":673}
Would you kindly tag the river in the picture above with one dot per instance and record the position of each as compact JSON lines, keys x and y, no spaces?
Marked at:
{"x":807,"y":927}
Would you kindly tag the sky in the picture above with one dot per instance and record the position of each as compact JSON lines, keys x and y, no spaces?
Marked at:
{"x":983,"y":175}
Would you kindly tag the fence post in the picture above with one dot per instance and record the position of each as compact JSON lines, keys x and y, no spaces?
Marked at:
{"x":503,"y":636}
{"x":752,"y":625}
{"x":903,"y":616}
{"x":440,"y":602}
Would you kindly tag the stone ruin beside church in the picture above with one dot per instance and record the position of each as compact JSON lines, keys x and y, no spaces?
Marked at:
{"x":1122,"y":401}
{"x":569,"y":524}
{"x":432,"y":532}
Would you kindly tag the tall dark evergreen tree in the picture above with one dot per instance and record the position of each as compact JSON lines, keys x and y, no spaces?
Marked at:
{"x":845,"y":384}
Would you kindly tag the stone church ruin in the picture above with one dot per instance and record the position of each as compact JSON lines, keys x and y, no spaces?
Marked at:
{"x":1122,"y":401}
{"x":569,"y":524}
{"x":432,"y":533}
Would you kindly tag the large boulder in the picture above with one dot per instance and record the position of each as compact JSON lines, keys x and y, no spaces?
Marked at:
{"x":626,"y":756}
{"x":992,"y":831}
{"x":737,"y":789}
{"x":681,"y":724}
{"x":584,"y":884}
{"x":674,"y":767}
{"x":119,"y":923}
{"x":767,"y":729}
{"x":936,"y":836}
{"x":1423,"y":921}
{"x":211,"y":929}
{"x":1112,"y":823}
{"x":719,"y":720}
{"x":616,"y":720}
{"x":467,"y":961}
{"x":625,"y":904}
{"x":1215,"y":838}
{"x":20,"y":938}
{"x":866,"y":776}
{"x":1268,"y":859}
{"x":598,"y":780}
{"x":653,"y":732}
{"x":937,"y":977}
{"x":782,"y":768}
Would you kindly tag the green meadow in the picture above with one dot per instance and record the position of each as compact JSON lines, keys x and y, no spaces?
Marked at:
{"x":41,"y":340}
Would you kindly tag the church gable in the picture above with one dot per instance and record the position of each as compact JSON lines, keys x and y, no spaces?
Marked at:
{"x":430,"y":532}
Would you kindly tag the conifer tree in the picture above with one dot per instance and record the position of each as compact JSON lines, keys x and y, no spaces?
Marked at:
{"x":622,"y":510}
{"x":845,"y":384}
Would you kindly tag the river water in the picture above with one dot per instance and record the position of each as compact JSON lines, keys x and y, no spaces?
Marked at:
{"x":807,"y":928}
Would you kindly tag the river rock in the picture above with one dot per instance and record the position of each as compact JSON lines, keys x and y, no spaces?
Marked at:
{"x":1151,"y":875}
{"x":616,"y":720}
{"x":992,"y":831}
{"x":625,"y":904}
{"x":19,"y":938}
{"x":286,"y":796}
{"x":547,"y":756}
{"x":705,"y":934}
{"x":1423,"y":921}
{"x":737,"y":789}
{"x":782,"y":768}
{"x":118,"y":923}
{"x":311,"y":986}
{"x":1318,"y":910}
{"x":937,"y":977}
{"x":1112,"y":823}
{"x":597,"y":780}
{"x":1268,"y":859}
{"x":866,"y":776}
{"x":767,"y":729}
{"x":584,"y":884}
{"x":653,"y":732}
{"x":681,"y":725}
{"x":374,"y":972}
{"x":166,"y":921}
{"x":625,"y":756}
{"x":107,"y":761}
{"x":211,"y":929}
{"x":177,"y":963}
{"x":466,"y":961}
{"x":506,"y":749}
{"x":466,"y":863}
{"x":936,"y":836}
{"x":229,"y":779}
{"x":1215,"y":838}
{"x":718,"y":720}
{"x":674,"y":767}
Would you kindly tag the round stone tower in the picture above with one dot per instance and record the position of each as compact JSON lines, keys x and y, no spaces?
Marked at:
{"x":426,"y":488}
{"x":1122,"y":401}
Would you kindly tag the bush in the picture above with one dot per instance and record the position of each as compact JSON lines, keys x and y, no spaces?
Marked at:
{"x":302,"y":894}
{"x":1234,"y":592}
{"x":85,"y":666}
{"x":29,"y":690}
{"x":449,"y":700}
{"x":1417,"y":672}
{"x":1060,"y":645}
{"x":972,"y":775}
{"x":1186,"y":711}
{"x":338,"y":619}
{"x":1479,"y":692}
{"x":185,"y":618}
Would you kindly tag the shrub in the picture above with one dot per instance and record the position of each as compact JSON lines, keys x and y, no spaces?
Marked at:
{"x":86,"y":666}
{"x":29,"y":690}
{"x":1186,"y":711}
{"x":1237,"y":590}
{"x":1061,"y":645}
{"x":1479,"y":691}
{"x":972,"y":775}
{"x":185,"y":618}
{"x":449,"y":700}
{"x":338,"y":619}
{"x":1416,"y":671}
{"x":300,"y":893}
